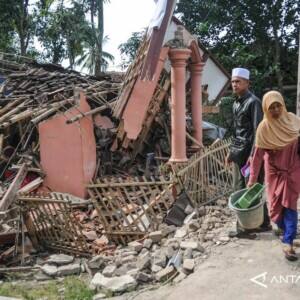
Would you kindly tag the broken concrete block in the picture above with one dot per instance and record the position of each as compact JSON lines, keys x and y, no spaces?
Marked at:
{"x":99,"y":280}
{"x":99,"y":296}
{"x":155,"y":268}
{"x":133,"y":272}
{"x":128,"y":259}
{"x":143,"y":277}
{"x":156,"y":236}
{"x":191,"y":244}
{"x":60,"y":259}
{"x":188,"y":253}
{"x":155,"y":247}
{"x":128,"y":253}
{"x":144,"y":252}
{"x":188,"y":209}
{"x":147,"y":243}
{"x":96,"y":262}
{"x":165,"y":273}
{"x":180,"y":233}
{"x":201,"y":211}
{"x":160,"y":259}
{"x":143,"y":262}
{"x":170,"y":251}
{"x":49,"y":270}
{"x":173,"y":243}
{"x":122,"y":270}
{"x":193,"y":226}
{"x":109,"y":271}
{"x":69,"y":269}
{"x":135,"y":246}
{"x":166,"y":230}
{"x":188,"y":265}
{"x":40,"y":276}
{"x":114,"y":284}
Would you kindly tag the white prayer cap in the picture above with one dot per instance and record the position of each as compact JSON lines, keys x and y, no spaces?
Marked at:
{"x":241,"y":72}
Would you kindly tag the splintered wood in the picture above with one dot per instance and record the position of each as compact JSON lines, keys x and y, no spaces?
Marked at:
{"x":130,"y":208}
{"x":205,"y":177}
{"x":51,"y":223}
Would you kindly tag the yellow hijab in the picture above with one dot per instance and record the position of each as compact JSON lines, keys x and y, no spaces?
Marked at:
{"x":276,"y":133}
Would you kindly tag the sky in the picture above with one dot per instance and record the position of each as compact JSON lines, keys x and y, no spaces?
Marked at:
{"x":121,"y":19}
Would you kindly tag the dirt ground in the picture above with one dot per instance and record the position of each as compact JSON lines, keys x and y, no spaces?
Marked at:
{"x":226,"y":274}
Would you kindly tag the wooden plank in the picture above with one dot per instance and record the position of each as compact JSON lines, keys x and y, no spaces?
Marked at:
{"x":11,"y":193}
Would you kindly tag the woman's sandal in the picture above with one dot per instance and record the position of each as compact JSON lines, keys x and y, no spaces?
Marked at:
{"x":290,"y":254}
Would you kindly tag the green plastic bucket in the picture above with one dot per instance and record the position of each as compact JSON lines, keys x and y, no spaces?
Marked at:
{"x":249,"y":218}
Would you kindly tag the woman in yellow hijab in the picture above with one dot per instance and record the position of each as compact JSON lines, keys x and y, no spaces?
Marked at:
{"x":277,"y":145}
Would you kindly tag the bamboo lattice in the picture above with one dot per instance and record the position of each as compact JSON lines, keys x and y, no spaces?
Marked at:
{"x":205,"y":177}
{"x":131,"y":207}
{"x":50,"y":220}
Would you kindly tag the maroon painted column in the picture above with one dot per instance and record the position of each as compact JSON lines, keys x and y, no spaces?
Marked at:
{"x":196,"y":89}
{"x":178,"y":59}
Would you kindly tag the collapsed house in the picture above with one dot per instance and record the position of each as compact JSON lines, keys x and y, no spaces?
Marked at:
{"x":89,"y":163}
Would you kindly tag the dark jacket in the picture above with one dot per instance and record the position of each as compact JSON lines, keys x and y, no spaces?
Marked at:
{"x":247,"y":114}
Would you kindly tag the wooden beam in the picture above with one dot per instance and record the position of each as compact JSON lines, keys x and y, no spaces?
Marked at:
{"x":12,"y":191}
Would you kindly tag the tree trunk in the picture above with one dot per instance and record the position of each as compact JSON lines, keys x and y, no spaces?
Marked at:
{"x":99,"y":38}
{"x":22,"y":27}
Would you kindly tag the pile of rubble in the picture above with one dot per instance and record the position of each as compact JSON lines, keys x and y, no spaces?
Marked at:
{"x":141,"y":220}
{"x":168,"y":254}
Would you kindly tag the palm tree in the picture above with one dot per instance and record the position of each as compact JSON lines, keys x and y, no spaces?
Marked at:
{"x":89,"y":59}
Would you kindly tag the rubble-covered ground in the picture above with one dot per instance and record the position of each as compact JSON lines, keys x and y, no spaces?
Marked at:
{"x":195,"y":261}
{"x":169,"y":254}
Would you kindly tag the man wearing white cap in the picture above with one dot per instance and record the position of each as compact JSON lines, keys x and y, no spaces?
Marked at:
{"x":247,"y":114}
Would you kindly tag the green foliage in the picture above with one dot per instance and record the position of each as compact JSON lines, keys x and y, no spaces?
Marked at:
{"x":63,"y":33}
{"x":72,"y":288}
{"x":129,"y":48}
{"x":70,"y":30}
{"x":76,"y":290}
{"x":261,"y":35}
{"x":6,"y":28}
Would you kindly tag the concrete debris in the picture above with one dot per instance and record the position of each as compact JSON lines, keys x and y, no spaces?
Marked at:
{"x":194,"y":245}
{"x":99,"y":296}
{"x":40,"y":276}
{"x":143,"y":277}
{"x":180,"y":233}
{"x":71,"y":269}
{"x":147,"y":243}
{"x":143,"y":262}
{"x":165,"y":273}
{"x":96,"y":262}
{"x":60,"y":259}
{"x":188,"y":265}
{"x":109,"y":271}
{"x":156,"y":236}
{"x":114,"y":284}
{"x":135,"y":246}
{"x":49,"y":270}
{"x":160,"y":259}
